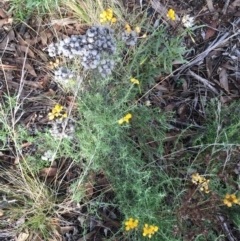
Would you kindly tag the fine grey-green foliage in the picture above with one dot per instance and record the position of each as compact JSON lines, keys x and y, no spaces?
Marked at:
{"x":140,"y":186}
{"x":222,"y":124}
{"x":155,"y":55}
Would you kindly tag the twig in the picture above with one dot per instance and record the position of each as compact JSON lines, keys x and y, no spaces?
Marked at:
{"x":215,"y":44}
{"x":204,"y":81}
{"x":210,"y":6}
{"x":224,"y":11}
{"x":226,"y":229}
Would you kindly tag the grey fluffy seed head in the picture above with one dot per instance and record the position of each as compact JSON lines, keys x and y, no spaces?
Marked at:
{"x":74,"y":38}
{"x":98,"y":42}
{"x":129,"y":38}
{"x":90,"y":46}
{"x":90,"y":40}
{"x":66,"y":40}
{"x":91,"y":32}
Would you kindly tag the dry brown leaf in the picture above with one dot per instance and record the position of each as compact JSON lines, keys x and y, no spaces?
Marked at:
{"x":5,"y":21}
{"x":16,"y":160}
{"x":210,"y":31}
{"x":162,"y":88}
{"x":226,"y":99}
{"x":27,"y":50}
{"x":1,"y":212}
{"x":184,"y":85}
{"x":235,"y":3}
{"x":89,"y":189}
{"x":50,"y":92}
{"x":169,"y":107}
{"x":210,"y":6}
{"x":42,"y":55}
{"x":21,"y":40}
{"x":209,"y":66}
{"x":22,"y":236}
{"x":4,"y":43}
{"x":11,"y":35}
{"x":223,"y":78}
{"x":3,"y":13}
{"x":44,"y":38}
{"x":33,"y":41}
{"x":48,"y":172}
{"x":30,"y":69}
{"x":66,"y":229}
{"x":37,"y":85}
{"x":87,"y":236}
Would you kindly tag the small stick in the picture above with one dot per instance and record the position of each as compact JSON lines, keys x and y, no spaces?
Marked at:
{"x":210,"y":6}
{"x":204,"y":81}
{"x":224,"y":11}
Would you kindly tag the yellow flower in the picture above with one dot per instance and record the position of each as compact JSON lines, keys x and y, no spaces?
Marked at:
{"x":107,"y":15}
{"x":144,"y":35}
{"x":230,"y":199}
{"x":126,"y":119}
{"x":131,"y":224}
{"x":57,"y":112}
{"x":201,"y":181}
{"x":171,"y":14}
{"x":138,"y":29}
{"x":113,"y":20}
{"x":135,"y":81}
{"x":51,"y":116}
{"x":149,"y":230}
{"x":58,"y":108}
{"x":128,"y":28}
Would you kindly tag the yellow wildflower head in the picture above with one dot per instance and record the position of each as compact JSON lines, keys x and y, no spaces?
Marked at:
{"x":107,"y":15}
{"x":201,"y":181}
{"x":138,"y":29}
{"x":51,"y":116}
{"x":196,"y":178}
{"x":128,"y":28}
{"x":131,"y":224}
{"x":171,"y":14}
{"x":135,"y":81}
{"x":57,"y":112}
{"x":149,"y":230}
{"x":113,"y":20}
{"x":126,"y":119}
{"x":230,"y":199}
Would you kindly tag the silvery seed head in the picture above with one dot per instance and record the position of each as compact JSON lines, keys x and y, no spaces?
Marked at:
{"x":66,"y":40}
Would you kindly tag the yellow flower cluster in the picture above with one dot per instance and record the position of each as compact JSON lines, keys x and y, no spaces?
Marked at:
{"x":128,"y":28}
{"x":135,"y":81}
{"x":149,"y":230}
{"x":131,"y":224}
{"x":57,"y":112}
{"x":171,"y":14}
{"x":203,"y":182}
{"x":230,"y":199}
{"x":126,"y":119}
{"x":53,"y":65}
{"x":107,"y":15}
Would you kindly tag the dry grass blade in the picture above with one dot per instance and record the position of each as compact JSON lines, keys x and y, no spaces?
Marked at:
{"x":204,"y":81}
